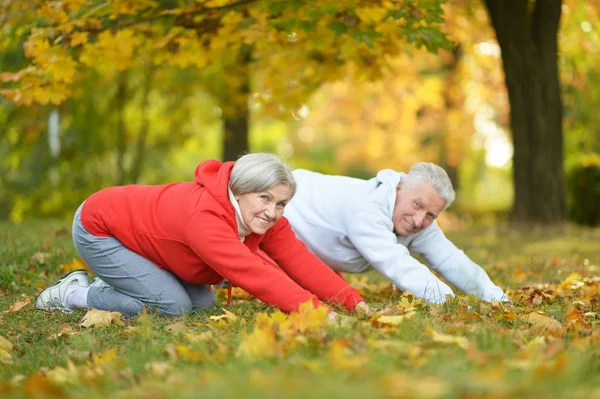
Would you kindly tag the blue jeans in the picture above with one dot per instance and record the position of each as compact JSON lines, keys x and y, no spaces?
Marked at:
{"x":134,"y":281}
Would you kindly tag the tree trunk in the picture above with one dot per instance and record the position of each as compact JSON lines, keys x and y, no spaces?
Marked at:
{"x":140,"y":147}
{"x":236,"y":114}
{"x":446,"y":160}
{"x":527,"y":35}
{"x":120,"y":103}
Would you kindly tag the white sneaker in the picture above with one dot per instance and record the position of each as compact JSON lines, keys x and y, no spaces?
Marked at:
{"x":55,"y":296}
{"x":98,"y":282}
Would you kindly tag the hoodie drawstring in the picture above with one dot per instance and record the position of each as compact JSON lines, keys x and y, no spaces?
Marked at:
{"x":229,"y":292}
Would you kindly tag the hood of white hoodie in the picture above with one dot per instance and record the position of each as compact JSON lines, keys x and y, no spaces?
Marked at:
{"x":390,"y":179}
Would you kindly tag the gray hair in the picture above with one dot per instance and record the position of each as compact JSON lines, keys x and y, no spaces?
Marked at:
{"x":259,"y":172}
{"x":435,"y":176}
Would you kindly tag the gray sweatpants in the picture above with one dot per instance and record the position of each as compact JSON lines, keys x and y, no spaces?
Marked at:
{"x":134,"y":281}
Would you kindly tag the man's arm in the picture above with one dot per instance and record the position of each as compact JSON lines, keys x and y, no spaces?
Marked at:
{"x":454,"y":265}
{"x":373,"y":236}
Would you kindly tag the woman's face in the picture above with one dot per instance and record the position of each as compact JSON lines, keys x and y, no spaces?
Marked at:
{"x":260,"y":211}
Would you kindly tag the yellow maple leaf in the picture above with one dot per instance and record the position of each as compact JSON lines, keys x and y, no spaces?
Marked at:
{"x":187,"y":353}
{"x":308,"y":318}
{"x":378,"y":320}
{"x":226,"y":316}
{"x":5,"y":357}
{"x":75,"y":264}
{"x":5,"y":344}
{"x":64,"y":376}
{"x":572,"y":282}
{"x":342,"y":358}
{"x":461,"y":342}
{"x":79,"y":38}
{"x":259,"y":344}
{"x":95,"y":318}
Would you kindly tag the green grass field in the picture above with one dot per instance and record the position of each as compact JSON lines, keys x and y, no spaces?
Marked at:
{"x":546,"y":346}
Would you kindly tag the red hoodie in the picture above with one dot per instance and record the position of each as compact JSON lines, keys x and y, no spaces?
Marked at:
{"x":190,"y":230}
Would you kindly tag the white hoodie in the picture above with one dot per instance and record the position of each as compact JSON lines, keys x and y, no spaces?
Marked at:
{"x":348,"y":224}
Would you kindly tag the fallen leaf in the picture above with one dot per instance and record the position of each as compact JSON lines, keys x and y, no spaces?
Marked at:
{"x":5,"y":348}
{"x":75,"y":264}
{"x":342,"y":358}
{"x":227,"y":316}
{"x":177,"y":327}
{"x":39,"y":385}
{"x":158,"y":368}
{"x":95,"y":317}
{"x":574,"y":320}
{"x":15,"y":307}
{"x":461,"y":342}
{"x":40,"y":257}
{"x":378,"y":320}
{"x":64,"y":376}
{"x":5,"y":344}
{"x":543,"y":322}
{"x":403,"y":385}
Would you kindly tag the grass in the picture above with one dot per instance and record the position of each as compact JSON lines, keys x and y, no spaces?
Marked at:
{"x":461,"y":349}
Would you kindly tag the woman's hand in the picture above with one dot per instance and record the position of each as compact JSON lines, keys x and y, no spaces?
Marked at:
{"x":363,"y":309}
{"x":340,"y":319}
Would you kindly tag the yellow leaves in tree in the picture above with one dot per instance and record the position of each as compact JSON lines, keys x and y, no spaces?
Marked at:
{"x":184,"y":47}
{"x":116,"y":50}
{"x":54,"y":11}
{"x":371,"y":15}
{"x":79,"y":38}
{"x":97,"y":318}
{"x":130,"y":7}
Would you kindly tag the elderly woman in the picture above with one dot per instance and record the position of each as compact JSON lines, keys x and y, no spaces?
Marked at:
{"x":164,"y":246}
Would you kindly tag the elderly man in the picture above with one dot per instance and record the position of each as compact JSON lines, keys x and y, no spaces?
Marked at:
{"x":355,"y":225}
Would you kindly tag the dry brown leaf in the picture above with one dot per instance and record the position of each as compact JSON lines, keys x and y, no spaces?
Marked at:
{"x":95,"y":317}
{"x":575,"y":321}
{"x":160,"y":369}
{"x":543,"y":322}
{"x":39,"y":385}
{"x":177,"y":328}
{"x":15,"y":307}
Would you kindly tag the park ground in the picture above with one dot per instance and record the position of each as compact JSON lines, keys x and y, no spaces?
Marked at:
{"x":546,"y":345}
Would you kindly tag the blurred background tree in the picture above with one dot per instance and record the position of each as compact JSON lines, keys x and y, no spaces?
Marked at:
{"x":99,"y":93}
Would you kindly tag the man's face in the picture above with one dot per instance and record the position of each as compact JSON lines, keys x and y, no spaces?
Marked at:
{"x":416,"y":208}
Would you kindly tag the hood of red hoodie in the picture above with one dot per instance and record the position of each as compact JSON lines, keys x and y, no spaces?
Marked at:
{"x":214,"y":176}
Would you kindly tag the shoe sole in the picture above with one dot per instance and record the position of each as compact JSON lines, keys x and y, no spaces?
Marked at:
{"x":58,"y":282}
